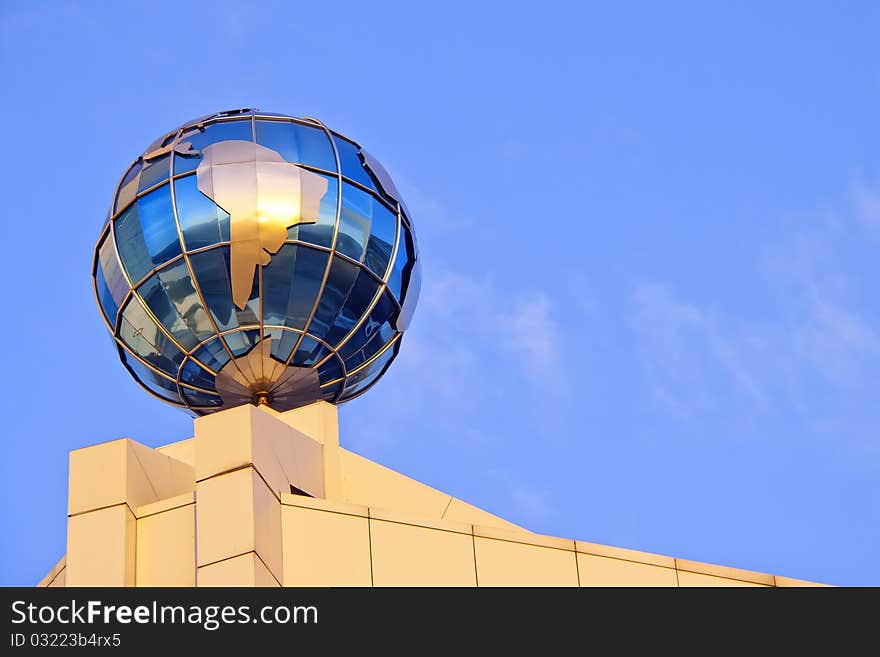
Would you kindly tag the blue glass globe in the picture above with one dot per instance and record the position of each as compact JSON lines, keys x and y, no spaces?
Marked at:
{"x":251,"y":257}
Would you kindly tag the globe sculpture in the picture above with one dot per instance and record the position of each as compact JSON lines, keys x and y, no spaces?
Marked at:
{"x":251,"y":257}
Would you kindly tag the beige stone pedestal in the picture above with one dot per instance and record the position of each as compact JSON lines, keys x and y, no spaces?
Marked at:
{"x":260,"y":498}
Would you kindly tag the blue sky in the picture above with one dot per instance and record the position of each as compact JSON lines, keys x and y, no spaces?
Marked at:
{"x":649,"y":231}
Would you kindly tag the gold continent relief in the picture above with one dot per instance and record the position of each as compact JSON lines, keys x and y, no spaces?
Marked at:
{"x":264,"y":195}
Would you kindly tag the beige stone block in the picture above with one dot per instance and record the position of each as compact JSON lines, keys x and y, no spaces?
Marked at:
{"x":378,"y":487}
{"x":305,"y":502}
{"x":319,"y":421}
{"x":267,"y":528}
{"x":519,"y":536}
{"x":686,"y":578}
{"x":166,"y":547}
{"x":463,"y":512}
{"x":60,"y":579}
{"x":166,"y":476}
{"x":182,"y":450}
{"x":304,"y":462}
{"x":606,"y":571}
{"x":243,"y":570}
{"x":324,"y":548}
{"x":52,"y":574}
{"x":421,"y":521}
{"x":249,"y":435}
{"x":101,"y":548}
{"x":623,"y":553}
{"x":236,"y":513}
{"x":724,"y":572}
{"x":506,"y":563}
{"x":165,"y":505}
{"x":406,"y":555}
{"x":791,"y":582}
{"x":123,"y":471}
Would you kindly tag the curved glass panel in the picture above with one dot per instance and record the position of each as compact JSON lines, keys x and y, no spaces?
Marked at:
{"x":212,"y":133}
{"x":242,"y":342}
{"x":141,"y":334}
{"x":109,"y":307}
{"x":159,"y":228}
{"x":194,"y":374}
{"x":131,"y":245}
{"x":202,"y":221}
{"x":363,"y":379}
{"x":329,"y":394}
{"x":211,"y":269}
{"x":361,"y":296}
{"x":309,"y":352}
{"x":111,"y":284}
{"x":200,"y":399}
{"x":172,"y":299}
{"x":297,"y":143}
{"x":382,"y":233}
{"x":339,"y":283}
{"x":154,"y":172}
{"x":213,"y":354}
{"x":321,"y":232}
{"x":404,"y":261}
{"x":132,"y":173}
{"x":351,"y":164}
{"x":361,"y":347}
{"x":330,"y":370}
{"x":291,"y":283}
{"x":128,"y":187}
{"x":354,"y":229}
{"x":149,"y":379}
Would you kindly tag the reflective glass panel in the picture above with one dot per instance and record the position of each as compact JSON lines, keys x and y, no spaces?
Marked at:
{"x":321,"y":232}
{"x":360,"y":381}
{"x":372,"y":326}
{"x":172,"y":298}
{"x":213,"y":354}
{"x":110,"y":265}
{"x":211,"y":269}
{"x":330,"y":370}
{"x":132,"y":172}
{"x":297,"y":143}
{"x":351,"y":164}
{"x":131,"y":245}
{"x":154,"y":172}
{"x":309,"y":352}
{"x":198,"y":399}
{"x":304,"y":286}
{"x":149,"y":379}
{"x":211,"y":135}
{"x":138,"y":330}
{"x":153,"y":293}
{"x":339,"y":283}
{"x":403,"y":264}
{"x":361,"y":296}
{"x":282,"y":343}
{"x":202,"y":221}
{"x":193,"y":374}
{"x":383,"y":230}
{"x":108,"y":305}
{"x":159,"y":227}
{"x":242,"y":342}
{"x":354,"y":229}
{"x":329,"y":393}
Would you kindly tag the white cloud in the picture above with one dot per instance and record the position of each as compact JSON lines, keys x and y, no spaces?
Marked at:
{"x":699,"y":356}
{"x":865,"y":200}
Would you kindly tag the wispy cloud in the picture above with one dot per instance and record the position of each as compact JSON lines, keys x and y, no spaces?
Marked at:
{"x":700,"y":356}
